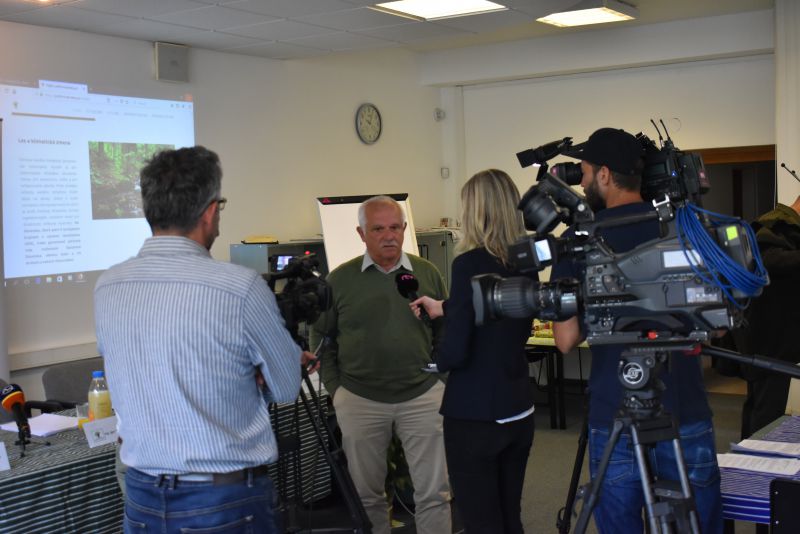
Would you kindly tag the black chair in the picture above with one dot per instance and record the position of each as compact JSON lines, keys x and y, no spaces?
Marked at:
{"x":784,"y":494}
{"x":42,"y":406}
{"x":68,"y":383}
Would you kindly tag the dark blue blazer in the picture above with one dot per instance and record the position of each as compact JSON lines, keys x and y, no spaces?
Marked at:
{"x":487,"y":364}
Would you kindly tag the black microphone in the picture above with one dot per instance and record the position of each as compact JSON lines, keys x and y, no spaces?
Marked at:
{"x":790,"y":171}
{"x":407,"y":285}
{"x":13,"y":400}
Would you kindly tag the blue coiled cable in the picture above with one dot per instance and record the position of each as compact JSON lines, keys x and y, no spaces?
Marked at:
{"x":720,"y":269}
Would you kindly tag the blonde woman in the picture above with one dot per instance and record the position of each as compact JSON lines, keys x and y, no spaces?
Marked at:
{"x":488,"y":404}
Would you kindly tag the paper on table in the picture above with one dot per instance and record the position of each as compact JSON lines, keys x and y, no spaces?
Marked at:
{"x":760,"y":464}
{"x":46,"y":424}
{"x":775,"y":448}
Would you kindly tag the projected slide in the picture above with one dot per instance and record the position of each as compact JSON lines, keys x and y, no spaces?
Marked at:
{"x":71,"y":161}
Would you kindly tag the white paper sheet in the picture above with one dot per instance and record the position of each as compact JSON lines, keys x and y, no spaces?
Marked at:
{"x":759,"y":464}
{"x":774,"y":448}
{"x":46,"y":424}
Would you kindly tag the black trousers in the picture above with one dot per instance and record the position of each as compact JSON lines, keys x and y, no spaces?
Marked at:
{"x":766,"y":401}
{"x":486,"y":462}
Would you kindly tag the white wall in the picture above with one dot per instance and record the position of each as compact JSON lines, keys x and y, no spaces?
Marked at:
{"x":712,"y":80}
{"x":284,"y":132}
{"x":707,"y":104}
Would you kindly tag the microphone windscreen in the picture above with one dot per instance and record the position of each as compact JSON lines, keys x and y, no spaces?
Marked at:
{"x":406,"y":284}
{"x":11,"y":395}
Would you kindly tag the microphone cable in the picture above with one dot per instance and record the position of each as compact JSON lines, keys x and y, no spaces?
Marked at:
{"x":720,"y":269}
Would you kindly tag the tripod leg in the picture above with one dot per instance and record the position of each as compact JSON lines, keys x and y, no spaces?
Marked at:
{"x":669,"y":504}
{"x":685,"y":484}
{"x":337,"y":462}
{"x":646,"y":478}
{"x":595,"y":485}
{"x":565,"y":514}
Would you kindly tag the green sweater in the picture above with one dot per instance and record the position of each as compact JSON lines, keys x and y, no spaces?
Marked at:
{"x":377,"y":344}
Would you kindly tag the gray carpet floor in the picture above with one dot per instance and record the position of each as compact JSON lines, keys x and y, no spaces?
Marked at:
{"x":552,"y":459}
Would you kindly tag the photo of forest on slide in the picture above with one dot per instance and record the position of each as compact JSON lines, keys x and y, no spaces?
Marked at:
{"x":114,"y":172}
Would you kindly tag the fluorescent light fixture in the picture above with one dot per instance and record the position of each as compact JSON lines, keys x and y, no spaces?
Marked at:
{"x":438,"y":9}
{"x":592,"y":12}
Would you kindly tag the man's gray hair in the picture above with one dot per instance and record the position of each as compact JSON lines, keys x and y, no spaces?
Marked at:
{"x":378,"y":199}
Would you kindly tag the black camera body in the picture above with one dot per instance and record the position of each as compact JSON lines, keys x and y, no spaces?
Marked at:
{"x":666,"y":171}
{"x":304,"y":296}
{"x":666,"y":290}
{"x":670,"y":172}
{"x":652,"y":293}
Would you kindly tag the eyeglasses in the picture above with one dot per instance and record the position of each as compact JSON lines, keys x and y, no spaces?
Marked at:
{"x":221,"y":202}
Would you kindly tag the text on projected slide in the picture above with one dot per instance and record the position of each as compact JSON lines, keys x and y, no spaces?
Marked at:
{"x":71,"y":162}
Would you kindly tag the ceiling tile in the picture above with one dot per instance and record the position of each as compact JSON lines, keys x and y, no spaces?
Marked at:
{"x":279,"y":30}
{"x":64,"y":16}
{"x":150,"y":30}
{"x":487,"y":22}
{"x":364,"y":2}
{"x":342,"y":41}
{"x":8,"y":7}
{"x":412,"y":31}
{"x":279,"y":51}
{"x":539,"y":8}
{"x":354,"y":19}
{"x":288,"y":8}
{"x":213,"y":18}
{"x":217,"y":40}
{"x":138,"y":8}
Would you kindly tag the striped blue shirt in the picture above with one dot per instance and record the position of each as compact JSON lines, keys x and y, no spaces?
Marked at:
{"x":182,"y":336}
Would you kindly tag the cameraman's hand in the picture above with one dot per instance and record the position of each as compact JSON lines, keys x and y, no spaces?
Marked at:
{"x":309,"y":362}
{"x":432,"y":306}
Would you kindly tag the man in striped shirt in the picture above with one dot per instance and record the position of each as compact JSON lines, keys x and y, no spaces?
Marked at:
{"x":185,"y":340}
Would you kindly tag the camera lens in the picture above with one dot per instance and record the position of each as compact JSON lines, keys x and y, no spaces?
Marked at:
{"x":514,"y":298}
{"x":570,"y":173}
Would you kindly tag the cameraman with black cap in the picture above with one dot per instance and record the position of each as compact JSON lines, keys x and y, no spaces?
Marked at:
{"x":611,"y":161}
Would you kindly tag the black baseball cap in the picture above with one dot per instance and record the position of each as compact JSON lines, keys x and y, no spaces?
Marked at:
{"x":614,"y":148}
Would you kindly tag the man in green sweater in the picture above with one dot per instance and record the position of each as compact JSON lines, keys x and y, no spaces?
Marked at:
{"x":372,"y":368}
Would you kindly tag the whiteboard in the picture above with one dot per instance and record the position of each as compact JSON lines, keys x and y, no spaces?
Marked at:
{"x":339,"y":217}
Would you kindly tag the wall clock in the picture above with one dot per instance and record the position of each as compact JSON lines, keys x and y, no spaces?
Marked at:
{"x":368,"y":123}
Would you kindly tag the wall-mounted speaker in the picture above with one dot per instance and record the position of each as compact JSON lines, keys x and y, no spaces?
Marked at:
{"x":172,"y":62}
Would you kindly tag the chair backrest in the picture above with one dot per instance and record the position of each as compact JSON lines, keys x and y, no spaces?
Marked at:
{"x":5,"y":417}
{"x":793,"y":400}
{"x":69,"y":381}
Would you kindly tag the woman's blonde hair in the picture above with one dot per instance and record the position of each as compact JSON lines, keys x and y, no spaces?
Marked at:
{"x":489,"y":214}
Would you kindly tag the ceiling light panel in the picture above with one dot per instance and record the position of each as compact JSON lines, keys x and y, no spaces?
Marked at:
{"x":438,"y":9}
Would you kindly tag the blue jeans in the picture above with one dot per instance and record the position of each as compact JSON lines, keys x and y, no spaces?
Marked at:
{"x":621,"y":503}
{"x":165,"y":505}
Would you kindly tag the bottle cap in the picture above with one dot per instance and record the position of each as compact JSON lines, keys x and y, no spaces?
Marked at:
{"x":97,"y":374}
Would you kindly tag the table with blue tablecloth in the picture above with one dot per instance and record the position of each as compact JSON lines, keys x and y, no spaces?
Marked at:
{"x":746,"y":494}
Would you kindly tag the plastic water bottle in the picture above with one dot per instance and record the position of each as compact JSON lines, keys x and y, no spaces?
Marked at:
{"x":99,"y":397}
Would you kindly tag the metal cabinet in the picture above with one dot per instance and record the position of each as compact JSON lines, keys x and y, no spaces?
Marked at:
{"x":438,"y":247}
{"x":270,"y":258}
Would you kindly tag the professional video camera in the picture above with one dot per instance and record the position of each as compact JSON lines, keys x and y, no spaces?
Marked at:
{"x":666,"y":170}
{"x":305,"y":295}
{"x":681,"y":287}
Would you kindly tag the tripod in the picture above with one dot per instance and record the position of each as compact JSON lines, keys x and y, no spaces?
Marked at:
{"x":636,"y":405}
{"x":669,"y":505}
{"x":335,"y":458}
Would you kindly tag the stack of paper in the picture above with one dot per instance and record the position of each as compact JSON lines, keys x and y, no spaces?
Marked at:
{"x":746,"y":475}
{"x":46,"y":424}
